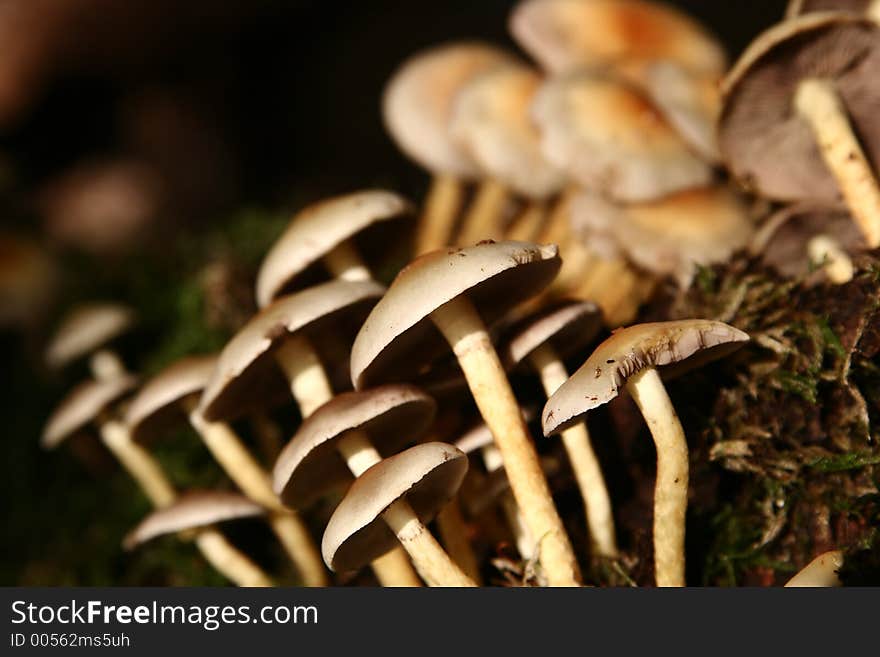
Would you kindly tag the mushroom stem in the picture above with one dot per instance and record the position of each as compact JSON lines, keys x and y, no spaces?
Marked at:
{"x":467,"y":335}
{"x":268,"y":435}
{"x":311,"y":388}
{"x":344,"y":262}
{"x":826,"y":252}
{"x":430,"y":559}
{"x":453,"y":532}
{"x":525,"y":544}
{"x":483,"y":218}
{"x":821,"y":571}
{"x":819,"y":104}
{"x":139,"y":463}
{"x":528,"y":224}
{"x":106,"y":365}
{"x":441,"y":208}
{"x":671,"y":487}
{"x":873,"y":11}
{"x":587,"y":471}
{"x":229,"y":561}
{"x":228,"y":450}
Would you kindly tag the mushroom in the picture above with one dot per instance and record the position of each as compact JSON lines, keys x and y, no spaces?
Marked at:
{"x":821,"y":571}
{"x":441,"y":291}
{"x":200,"y":511}
{"x":87,"y":331}
{"x":350,"y":433}
{"x":544,"y":340}
{"x":491,"y":121}
{"x":798,"y":7}
{"x":391,"y":501}
{"x":607,"y":136}
{"x":805,"y":94}
{"x":416,"y":108}
{"x":325,"y":232}
{"x":632,"y":357}
{"x":170,"y":398}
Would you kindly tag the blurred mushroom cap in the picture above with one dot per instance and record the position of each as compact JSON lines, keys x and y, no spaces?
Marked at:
{"x":86,"y":329}
{"x":567,"y":327}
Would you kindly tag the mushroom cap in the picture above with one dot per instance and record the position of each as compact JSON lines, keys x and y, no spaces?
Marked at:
{"x":821,"y":571}
{"x":669,"y":235}
{"x":798,"y":7}
{"x":492,"y":121}
{"x":782,"y":240}
{"x":310,"y":465}
{"x":398,"y":336}
{"x":417,"y":103}
{"x":246,"y":376}
{"x":608,"y":136}
{"x":82,"y":406}
{"x":567,"y":327}
{"x":685,"y":343}
{"x":156,"y":406}
{"x":192,"y":510}
{"x":86,"y":329}
{"x":759,"y":127}
{"x":563,"y":35}
{"x":428,"y":475}
{"x":318,"y":229}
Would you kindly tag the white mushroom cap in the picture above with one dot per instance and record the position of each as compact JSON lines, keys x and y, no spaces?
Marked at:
{"x":192,"y":510}
{"x":398,"y":335}
{"x":319,"y":228}
{"x":417,"y":103}
{"x":631,"y":350}
{"x":83,"y":406}
{"x":310,"y":465}
{"x":567,"y":326}
{"x":427,"y":475}
{"x":85,"y":330}
{"x":821,"y":571}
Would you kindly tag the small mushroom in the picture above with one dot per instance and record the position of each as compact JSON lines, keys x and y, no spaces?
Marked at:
{"x":170,"y":398}
{"x":325,"y":232}
{"x":391,"y":501}
{"x":200,"y":511}
{"x":821,"y":571}
{"x":88,"y":330}
{"x":799,"y":119}
{"x":442,"y":291}
{"x":416,"y":107}
{"x":543,"y":341}
{"x":632,"y":357}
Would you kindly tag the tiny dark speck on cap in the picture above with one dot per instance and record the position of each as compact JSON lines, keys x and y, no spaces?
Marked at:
{"x":598,"y":372}
{"x":276,"y":331}
{"x":481,"y":242}
{"x":609,"y":361}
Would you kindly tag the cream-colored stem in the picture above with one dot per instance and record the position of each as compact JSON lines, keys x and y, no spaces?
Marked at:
{"x":228,"y":450}
{"x":311,"y":388}
{"x":229,"y":561}
{"x":345,"y":262}
{"x":873,"y":11}
{"x":484,"y":217}
{"x":430,"y":559}
{"x":106,"y":365}
{"x":139,"y":463}
{"x":821,"y":571}
{"x":671,"y":487}
{"x":528,"y":224}
{"x":826,"y":251}
{"x":525,"y":544}
{"x":819,"y":104}
{"x":584,"y":464}
{"x":464,"y":330}
{"x":438,"y":217}
{"x":454,"y":535}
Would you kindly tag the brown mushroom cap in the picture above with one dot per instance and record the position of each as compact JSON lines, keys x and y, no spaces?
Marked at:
{"x":85,"y":330}
{"x":763,"y":140}
{"x":605,"y":133}
{"x":82,"y":406}
{"x":783,"y":239}
{"x":667,"y":236}
{"x":192,"y":510}
{"x":563,"y":35}
{"x":568,"y":327}
{"x":156,"y":406}
{"x":319,"y":228}
{"x":417,"y":103}
{"x":491,"y":120}
{"x":686,"y":343}
{"x":427,"y":475}
{"x":310,"y":465}
{"x":398,"y":336}
{"x":798,"y":7}
{"x":246,"y":376}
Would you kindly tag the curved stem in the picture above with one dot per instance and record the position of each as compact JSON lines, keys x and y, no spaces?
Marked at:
{"x":344,"y":262}
{"x":584,"y":464}
{"x":671,"y":488}
{"x":139,"y":463}
{"x":527,"y":225}
{"x":464,"y":330}
{"x":441,"y":208}
{"x":484,"y":217}
{"x":229,"y":561}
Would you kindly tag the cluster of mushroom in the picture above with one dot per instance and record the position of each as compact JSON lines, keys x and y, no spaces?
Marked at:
{"x":598,"y":173}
